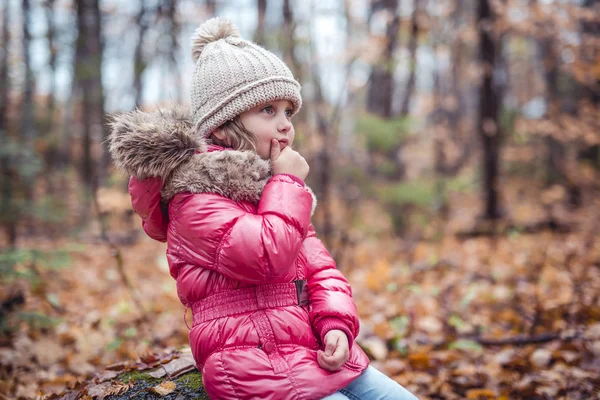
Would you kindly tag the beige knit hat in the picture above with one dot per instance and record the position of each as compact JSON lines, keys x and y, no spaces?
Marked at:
{"x":233,"y":75}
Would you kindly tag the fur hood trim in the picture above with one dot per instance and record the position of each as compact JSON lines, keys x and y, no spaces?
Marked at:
{"x":163,"y":144}
{"x":152,"y":144}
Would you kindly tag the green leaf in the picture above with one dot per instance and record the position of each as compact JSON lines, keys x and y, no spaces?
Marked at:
{"x":392,"y":287}
{"x":464,"y":344}
{"x":469,"y":296}
{"x":456,"y":321}
{"x":130,"y":332}
{"x":38,"y":320}
{"x":115,"y":344}
{"x":400,"y":325}
{"x":53,"y":299}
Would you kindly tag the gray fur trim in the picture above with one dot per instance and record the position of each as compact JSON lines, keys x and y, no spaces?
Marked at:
{"x":239,"y":175}
{"x":162,"y":144}
{"x":152,"y":144}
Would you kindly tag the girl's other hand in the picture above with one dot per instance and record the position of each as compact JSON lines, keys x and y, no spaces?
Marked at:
{"x":336,"y":350}
{"x":288,"y":161}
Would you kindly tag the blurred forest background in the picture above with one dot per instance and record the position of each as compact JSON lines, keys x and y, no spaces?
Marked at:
{"x":454,"y":148}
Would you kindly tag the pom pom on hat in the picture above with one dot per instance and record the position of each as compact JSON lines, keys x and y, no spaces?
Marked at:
{"x":211,"y":31}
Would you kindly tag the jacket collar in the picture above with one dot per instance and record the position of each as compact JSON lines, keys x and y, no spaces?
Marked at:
{"x":163,"y":144}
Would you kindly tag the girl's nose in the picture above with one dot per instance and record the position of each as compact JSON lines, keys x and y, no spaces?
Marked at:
{"x":284,"y":125}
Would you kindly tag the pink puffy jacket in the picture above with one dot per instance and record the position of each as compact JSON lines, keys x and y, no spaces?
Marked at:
{"x":240,"y":245}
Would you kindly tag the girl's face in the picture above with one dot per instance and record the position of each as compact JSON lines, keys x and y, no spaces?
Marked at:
{"x":270,"y":121}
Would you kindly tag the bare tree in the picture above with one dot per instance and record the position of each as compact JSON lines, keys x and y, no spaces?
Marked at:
{"x":173,"y":43}
{"x":211,"y":7}
{"x":259,"y":35}
{"x":88,"y":80}
{"x":288,"y":40}
{"x":4,"y":82}
{"x":27,"y":120}
{"x":288,"y":44}
{"x":51,"y":35}
{"x":412,"y":49}
{"x":489,"y":129}
{"x":381,"y":82}
{"x":139,"y":63}
{"x":7,"y":216}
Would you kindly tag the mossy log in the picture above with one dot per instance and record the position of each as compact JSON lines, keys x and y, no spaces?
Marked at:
{"x":171,"y":377}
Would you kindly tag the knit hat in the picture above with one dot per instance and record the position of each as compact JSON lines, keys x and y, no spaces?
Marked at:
{"x":233,"y":75}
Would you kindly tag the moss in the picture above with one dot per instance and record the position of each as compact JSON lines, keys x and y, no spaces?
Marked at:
{"x":134,"y":376}
{"x":191,"y":380}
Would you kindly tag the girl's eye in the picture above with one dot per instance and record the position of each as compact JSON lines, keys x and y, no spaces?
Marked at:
{"x":288,"y":112}
{"x":268,"y":110}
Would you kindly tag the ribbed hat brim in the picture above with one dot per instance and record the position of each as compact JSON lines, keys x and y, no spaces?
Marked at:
{"x":245,"y":98}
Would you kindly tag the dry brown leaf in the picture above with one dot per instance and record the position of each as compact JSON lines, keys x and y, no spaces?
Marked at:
{"x":97,"y":391}
{"x":541,"y":358}
{"x":480,"y":394}
{"x":164,"y":388}
{"x":118,"y":388}
{"x":106,"y":376}
{"x":419,"y":360}
{"x":175,"y":367}
{"x":376,"y":347}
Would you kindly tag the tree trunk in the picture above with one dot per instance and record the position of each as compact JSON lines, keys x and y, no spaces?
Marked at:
{"x":412,"y":48}
{"x":259,"y":35}
{"x":489,"y":104}
{"x":49,"y":10}
{"x":381,"y":83}
{"x":555,"y":157}
{"x":7,"y":219}
{"x":4,"y":83}
{"x":173,"y":34}
{"x":28,"y":127}
{"x":27,"y":121}
{"x":88,"y":74}
{"x":289,"y":40}
{"x":51,"y":155}
{"x":211,"y":7}
{"x":139,"y":63}
{"x":288,"y":43}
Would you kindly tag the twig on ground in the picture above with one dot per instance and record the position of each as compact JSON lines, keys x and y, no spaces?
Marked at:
{"x":116,"y":252}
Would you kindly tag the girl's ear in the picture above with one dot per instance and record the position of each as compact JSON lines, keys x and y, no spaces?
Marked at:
{"x":220,"y":134}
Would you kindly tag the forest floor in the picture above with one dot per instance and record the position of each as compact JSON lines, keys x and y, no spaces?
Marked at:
{"x":456,"y":314}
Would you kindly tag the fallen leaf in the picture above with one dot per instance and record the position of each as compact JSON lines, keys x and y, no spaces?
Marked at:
{"x":375,"y":347}
{"x":97,"y":391}
{"x":118,"y":388}
{"x":175,"y":367}
{"x":479,"y":394}
{"x":419,"y":360}
{"x":164,"y":388}
{"x":106,"y":376}
{"x":541,"y":358}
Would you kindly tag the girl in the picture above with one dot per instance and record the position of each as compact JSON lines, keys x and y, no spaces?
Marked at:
{"x":272,"y":316}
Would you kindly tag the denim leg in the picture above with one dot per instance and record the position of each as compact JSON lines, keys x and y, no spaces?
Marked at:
{"x":373,"y":385}
{"x":335,"y":396}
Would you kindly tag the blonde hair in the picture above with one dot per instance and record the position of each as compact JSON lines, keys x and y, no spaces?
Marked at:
{"x":236,"y":136}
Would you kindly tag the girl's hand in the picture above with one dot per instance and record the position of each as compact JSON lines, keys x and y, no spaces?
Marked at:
{"x":288,"y":161}
{"x":336,"y":350}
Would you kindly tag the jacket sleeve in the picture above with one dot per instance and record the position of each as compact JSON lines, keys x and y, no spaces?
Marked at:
{"x":330,"y":294}
{"x":145,"y":199}
{"x":233,"y":239}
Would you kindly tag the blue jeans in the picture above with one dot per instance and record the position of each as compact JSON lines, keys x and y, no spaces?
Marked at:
{"x":372,"y":385}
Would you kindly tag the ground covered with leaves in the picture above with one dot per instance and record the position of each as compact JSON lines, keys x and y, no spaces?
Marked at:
{"x":464,"y":310}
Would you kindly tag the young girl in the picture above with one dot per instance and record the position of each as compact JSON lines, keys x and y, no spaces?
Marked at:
{"x":272,"y":316}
